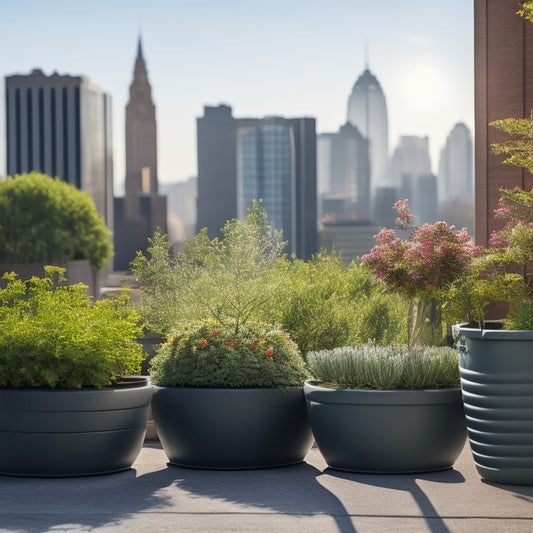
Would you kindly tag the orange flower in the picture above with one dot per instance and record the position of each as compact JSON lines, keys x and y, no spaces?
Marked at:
{"x":215,"y":333}
{"x":269,"y":353}
{"x":232,"y":344}
{"x":202,"y":343}
{"x":253,"y":345}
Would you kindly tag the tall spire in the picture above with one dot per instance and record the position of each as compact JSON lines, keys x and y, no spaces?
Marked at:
{"x":141,"y":145}
{"x":140,"y":49}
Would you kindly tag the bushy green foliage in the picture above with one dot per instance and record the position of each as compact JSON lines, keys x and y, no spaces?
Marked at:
{"x":386,"y":367}
{"x":324,"y":304}
{"x":520,"y":317}
{"x":250,"y":354}
{"x":52,"y":335}
{"x":233,"y":278}
{"x":49,"y":221}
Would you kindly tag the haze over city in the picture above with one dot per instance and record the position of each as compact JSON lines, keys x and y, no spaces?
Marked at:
{"x":289,"y":58}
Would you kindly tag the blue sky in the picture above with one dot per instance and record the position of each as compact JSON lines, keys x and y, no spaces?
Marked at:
{"x":276,"y":57}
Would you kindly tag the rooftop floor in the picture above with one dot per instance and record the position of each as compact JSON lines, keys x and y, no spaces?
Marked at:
{"x":153,"y":497}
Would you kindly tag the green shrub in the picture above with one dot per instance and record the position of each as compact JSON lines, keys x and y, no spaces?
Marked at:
{"x":232,"y":278}
{"x":386,"y":367}
{"x":52,"y":335}
{"x":206,"y":355}
{"x":46,"y":220}
{"x":324,"y":304}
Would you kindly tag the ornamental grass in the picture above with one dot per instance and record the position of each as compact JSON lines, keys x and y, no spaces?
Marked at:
{"x":370,"y":366}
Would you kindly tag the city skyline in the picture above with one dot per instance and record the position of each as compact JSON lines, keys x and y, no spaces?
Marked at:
{"x":282,"y":58}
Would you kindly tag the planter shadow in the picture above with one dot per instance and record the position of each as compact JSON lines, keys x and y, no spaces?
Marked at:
{"x":66,"y":504}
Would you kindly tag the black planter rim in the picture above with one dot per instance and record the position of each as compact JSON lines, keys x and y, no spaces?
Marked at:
{"x":315,"y":392}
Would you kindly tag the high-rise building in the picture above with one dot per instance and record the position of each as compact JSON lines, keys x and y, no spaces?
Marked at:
{"x":61,"y":125}
{"x":503,"y":66}
{"x":367,"y":110}
{"x":409,"y":171}
{"x":273,"y":159}
{"x":142,"y":210}
{"x":217,"y":168}
{"x":343,"y":159}
{"x":456,"y":179}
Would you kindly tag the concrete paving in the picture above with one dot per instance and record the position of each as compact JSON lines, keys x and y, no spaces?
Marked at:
{"x":153,"y":497}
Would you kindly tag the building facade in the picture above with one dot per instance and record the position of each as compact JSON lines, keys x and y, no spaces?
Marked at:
{"x":456,"y":169}
{"x":503,"y":80}
{"x":409,"y":170}
{"x":272,"y":159}
{"x":456,"y":179}
{"x":343,"y":159}
{"x":367,"y":110}
{"x":143,"y":210}
{"x":61,"y":125}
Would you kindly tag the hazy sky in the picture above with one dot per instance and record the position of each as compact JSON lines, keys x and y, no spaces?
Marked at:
{"x":262,"y":57}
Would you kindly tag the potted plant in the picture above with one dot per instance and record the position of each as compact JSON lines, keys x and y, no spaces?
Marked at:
{"x":229,"y":396}
{"x":386,"y":409}
{"x":496,"y":364}
{"x":66,"y":407}
{"x":229,"y":388}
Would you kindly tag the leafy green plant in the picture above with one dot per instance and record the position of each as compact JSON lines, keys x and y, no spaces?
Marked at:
{"x":370,"y":366}
{"x":206,"y":355}
{"x":52,"y":334}
{"x":231,"y":279}
{"x":505,"y":265}
{"x":324,"y":304}
{"x":46,"y":220}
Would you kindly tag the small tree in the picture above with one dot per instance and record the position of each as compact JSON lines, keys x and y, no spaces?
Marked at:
{"x":231,"y":279}
{"x":423,"y":268}
{"x":46,"y":220}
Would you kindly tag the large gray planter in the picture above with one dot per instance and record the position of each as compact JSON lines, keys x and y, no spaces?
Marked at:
{"x":66,"y":432}
{"x":232,"y":429}
{"x":394,"y":431}
{"x":497,"y":384}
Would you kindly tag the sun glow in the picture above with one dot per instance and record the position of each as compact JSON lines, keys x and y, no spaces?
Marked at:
{"x":425,"y":85}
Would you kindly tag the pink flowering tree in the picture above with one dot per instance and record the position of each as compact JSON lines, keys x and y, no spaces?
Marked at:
{"x":422,"y":267}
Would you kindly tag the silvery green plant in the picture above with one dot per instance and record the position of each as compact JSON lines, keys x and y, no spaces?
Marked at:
{"x":370,"y":366}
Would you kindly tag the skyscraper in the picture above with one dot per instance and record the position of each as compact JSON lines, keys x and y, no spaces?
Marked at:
{"x":503,"y":63}
{"x":217,"y":168}
{"x":410,"y":173}
{"x":367,"y":110}
{"x":343,"y":158}
{"x":142,"y":210}
{"x":273,"y":159}
{"x":61,"y":125}
{"x":456,"y":180}
{"x":141,"y":136}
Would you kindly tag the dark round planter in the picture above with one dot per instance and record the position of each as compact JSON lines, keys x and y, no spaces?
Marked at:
{"x":497,"y":383}
{"x":397,"y":431}
{"x":66,"y":432}
{"x":231,"y":429}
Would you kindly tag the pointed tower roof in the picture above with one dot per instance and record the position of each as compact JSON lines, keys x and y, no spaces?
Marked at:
{"x":140,"y":86}
{"x":140,"y":49}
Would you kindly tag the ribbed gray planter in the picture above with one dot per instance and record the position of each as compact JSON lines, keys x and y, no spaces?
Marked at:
{"x":66,"y":432}
{"x":232,"y":429}
{"x":497,"y":384}
{"x":395,"y":431}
